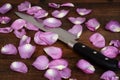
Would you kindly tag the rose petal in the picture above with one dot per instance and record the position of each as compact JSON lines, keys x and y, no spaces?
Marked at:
{"x":25,"y":40}
{"x":5,"y":8}
{"x":77,"y":20}
{"x":54,"y":52}
{"x":92,"y":24}
{"x":37,"y":38}
{"x":68,"y":4}
{"x":26,"y":50}
{"x":52,"y":74}
{"x":109,"y":75}
{"x":76,"y":30}
{"x":113,"y":26}
{"x":54,"y":5}
{"x":58,"y":64}
{"x":41,"y":63}
{"x":33,"y":10}
{"x":4,"y":20}
{"x":30,"y":26}
{"x":19,"y":67}
{"x":45,"y":38}
{"x":60,"y":14}
{"x":9,"y":49}
{"x":52,"y":22}
{"x":97,"y":40}
{"x":65,"y":73}
{"x":110,"y":51}
{"x":41,"y":13}
{"x":85,"y":66}
{"x":115,"y":43}
{"x":19,"y":33}
{"x":49,"y":37}
{"x":6,"y":30}
{"x":24,"y":6}
{"x":83,"y":11}
{"x":18,"y":24}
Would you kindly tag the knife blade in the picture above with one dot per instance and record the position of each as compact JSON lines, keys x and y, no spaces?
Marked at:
{"x":88,"y":53}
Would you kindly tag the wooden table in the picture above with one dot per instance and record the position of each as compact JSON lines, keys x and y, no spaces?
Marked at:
{"x":103,"y":10}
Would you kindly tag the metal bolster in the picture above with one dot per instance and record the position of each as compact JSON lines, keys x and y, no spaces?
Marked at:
{"x":71,"y":43}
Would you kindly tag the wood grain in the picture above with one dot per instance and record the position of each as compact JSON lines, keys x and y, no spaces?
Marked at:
{"x":103,"y":10}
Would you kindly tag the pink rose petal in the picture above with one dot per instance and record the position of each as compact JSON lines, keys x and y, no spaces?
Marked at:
{"x":97,"y":40}
{"x":37,"y":38}
{"x":54,"y":5}
{"x":6,"y":30}
{"x":77,"y":20}
{"x":26,"y":50}
{"x":19,"y":67}
{"x":19,"y":33}
{"x":85,"y":66}
{"x":68,"y":4}
{"x":65,"y":73}
{"x":5,"y":20}
{"x":5,"y":8}
{"x":109,"y":75}
{"x":58,"y":64}
{"x":41,"y":13}
{"x":52,"y":22}
{"x":83,"y":11}
{"x":24,"y":6}
{"x":9,"y":49}
{"x":30,"y":26}
{"x":49,"y":37}
{"x":60,"y":14}
{"x":18,"y":24}
{"x":113,"y":26}
{"x":52,"y":74}
{"x":110,"y":51}
{"x":24,"y":40}
{"x":54,"y":52}
{"x":115,"y":43}
{"x":41,"y":63}
{"x":45,"y":38}
{"x":92,"y":24}
{"x":76,"y":30}
{"x":33,"y":10}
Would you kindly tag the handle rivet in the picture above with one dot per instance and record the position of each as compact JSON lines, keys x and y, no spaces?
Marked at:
{"x":106,"y":59}
{"x":83,"y":46}
{"x":94,"y":52}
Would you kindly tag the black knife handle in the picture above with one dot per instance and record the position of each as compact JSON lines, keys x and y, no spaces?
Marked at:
{"x":95,"y":57}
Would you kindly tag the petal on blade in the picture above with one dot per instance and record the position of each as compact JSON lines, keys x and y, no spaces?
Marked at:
{"x":54,"y":52}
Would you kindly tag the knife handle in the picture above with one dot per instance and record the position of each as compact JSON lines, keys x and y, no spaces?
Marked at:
{"x":95,"y":57}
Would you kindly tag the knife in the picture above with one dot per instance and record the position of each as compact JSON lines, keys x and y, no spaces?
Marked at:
{"x":88,"y":53}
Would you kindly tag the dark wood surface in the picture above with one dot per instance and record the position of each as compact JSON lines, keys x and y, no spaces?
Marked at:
{"x":103,"y":10}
